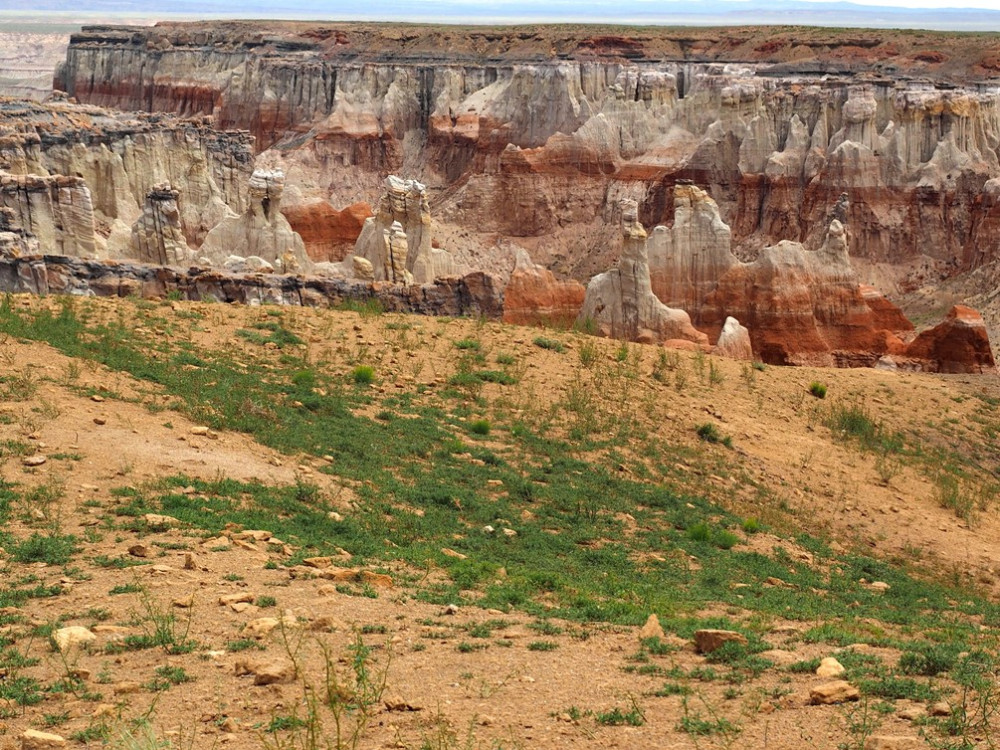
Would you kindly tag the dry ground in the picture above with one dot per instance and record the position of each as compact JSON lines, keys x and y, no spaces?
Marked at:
{"x":786,"y":468}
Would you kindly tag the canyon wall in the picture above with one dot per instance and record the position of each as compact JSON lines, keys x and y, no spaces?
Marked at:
{"x":538,"y":135}
{"x":78,"y":176}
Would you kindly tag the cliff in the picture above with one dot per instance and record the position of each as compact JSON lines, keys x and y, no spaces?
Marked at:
{"x":535,"y":133}
{"x":78,"y":177}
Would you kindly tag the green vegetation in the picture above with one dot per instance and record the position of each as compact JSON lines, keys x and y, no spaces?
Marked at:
{"x":817,"y":389}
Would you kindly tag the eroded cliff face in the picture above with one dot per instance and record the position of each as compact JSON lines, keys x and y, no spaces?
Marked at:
{"x":78,"y":176}
{"x":544,"y":139}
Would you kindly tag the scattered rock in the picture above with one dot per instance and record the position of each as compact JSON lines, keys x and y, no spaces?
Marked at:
{"x":839,"y":691}
{"x":34,"y":740}
{"x":36,"y":460}
{"x":230,"y":599}
{"x":100,"y":421}
{"x":451,"y":609}
{"x":880,"y":586}
{"x":139,"y":550}
{"x":707,"y":641}
{"x":887,"y":742}
{"x":266,"y":672}
{"x":448,"y":552}
{"x":184,"y":602}
{"x":155,"y":519}
{"x":72,"y":637}
{"x":199,"y":430}
{"x":941,"y":708}
{"x":398,"y":703}
{"x":318,"y":562}
{"x":652,"y":628}
{"x":830,"y":668}
{"x":126,"y":687}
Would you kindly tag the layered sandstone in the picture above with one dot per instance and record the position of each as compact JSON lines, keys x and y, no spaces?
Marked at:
{"x":535,"y":134}
{"x":261,"y":231}
{"x":396,"y":241}
{"x":535,"y":296}
{"x":100,"y":166}
{"x":157,"y":236}
{"x":474,"y":294}
{"x":620,"y":302}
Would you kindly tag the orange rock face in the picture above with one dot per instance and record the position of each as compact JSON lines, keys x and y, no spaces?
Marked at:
{"x":959,"y":344}
{"x":329,"y":234}
{"x":534,"y":296}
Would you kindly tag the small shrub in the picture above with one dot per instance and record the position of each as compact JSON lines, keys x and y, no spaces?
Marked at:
{"x":363,"y":375}
{"x":725,"y":539}
{"x":265,"y":601}
{"x":710,"y":434}
{"x":616,"y":717}
{"x":699,"y":532}
{"x":480,"y":427}
{"x":503,"y":358}
{"x":817,"y":389}
{"x":542,"y":646}
{"x":588,"y":352}
{"x":468,"y":345}
{"x":550,"y":344}
{"x":759,"y":366}
{"x":751,"y":525}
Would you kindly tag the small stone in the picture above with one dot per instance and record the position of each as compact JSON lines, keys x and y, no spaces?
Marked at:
{"x":335,"y":516}
{"x":451,"y":609}
{"x":37,"y":460}
{"x":126,"y":687}
{"x":72,"y":637}
{"x":941,"y":708}
{"x":229,"y":599}
{"x":100,"y":420}
{"x":652,"y":628}
{"x":318,"y":562}
{"x":399,"y":703}
{"x":184,"y":602}
{"x":240,"y":606}
{"x":828,"y":693}
{"x":268,"y":673}
{"x":35,"y":740}
{"x":509,"y":533}
{"x":97,"y":399}
{"x":139,"y":550}
{"x":830,"y":668}
{"x":911,"y":713}
{"x":448,"y":552}
{"x":199,"y":430}
{"x":328,"y":624}
{"x":155,"y":519}
{"x":880,"y":586}
{"x":887,"y":742}
{"x":190,"y":561}
{"x":707,"y":641}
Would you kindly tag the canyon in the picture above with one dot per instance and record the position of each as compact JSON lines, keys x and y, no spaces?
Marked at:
{"x":515,"y":150}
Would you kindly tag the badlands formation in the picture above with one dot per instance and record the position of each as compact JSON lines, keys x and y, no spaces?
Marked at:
{"x":764,"y":187}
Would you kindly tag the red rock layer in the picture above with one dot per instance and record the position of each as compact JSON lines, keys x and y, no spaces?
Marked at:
{"x":534,"y":296}
{"x":328,"y":234}
{"x":959,"y":344}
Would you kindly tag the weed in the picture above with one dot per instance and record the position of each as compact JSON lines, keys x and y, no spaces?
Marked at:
{"x":550,"y":344}
{"x":751,"y":525}
{"x":335,"y":707}
{"x":588,"y":352}
{"x":817,"y":389}
{"x":860,"y":721}
{"x":543,"y":646}
{"x":166,"y":677}
{"x":480,"y":427}
{"x":363,"y":375}
{"x":633,"y":717}
{"x":710,"y":434}
{"x":53,"y":550}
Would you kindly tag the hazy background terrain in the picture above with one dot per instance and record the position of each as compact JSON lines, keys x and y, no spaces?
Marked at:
{"x":975,"y":15}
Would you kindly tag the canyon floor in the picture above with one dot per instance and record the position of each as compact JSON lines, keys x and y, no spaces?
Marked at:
{"x":268,"y":525}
